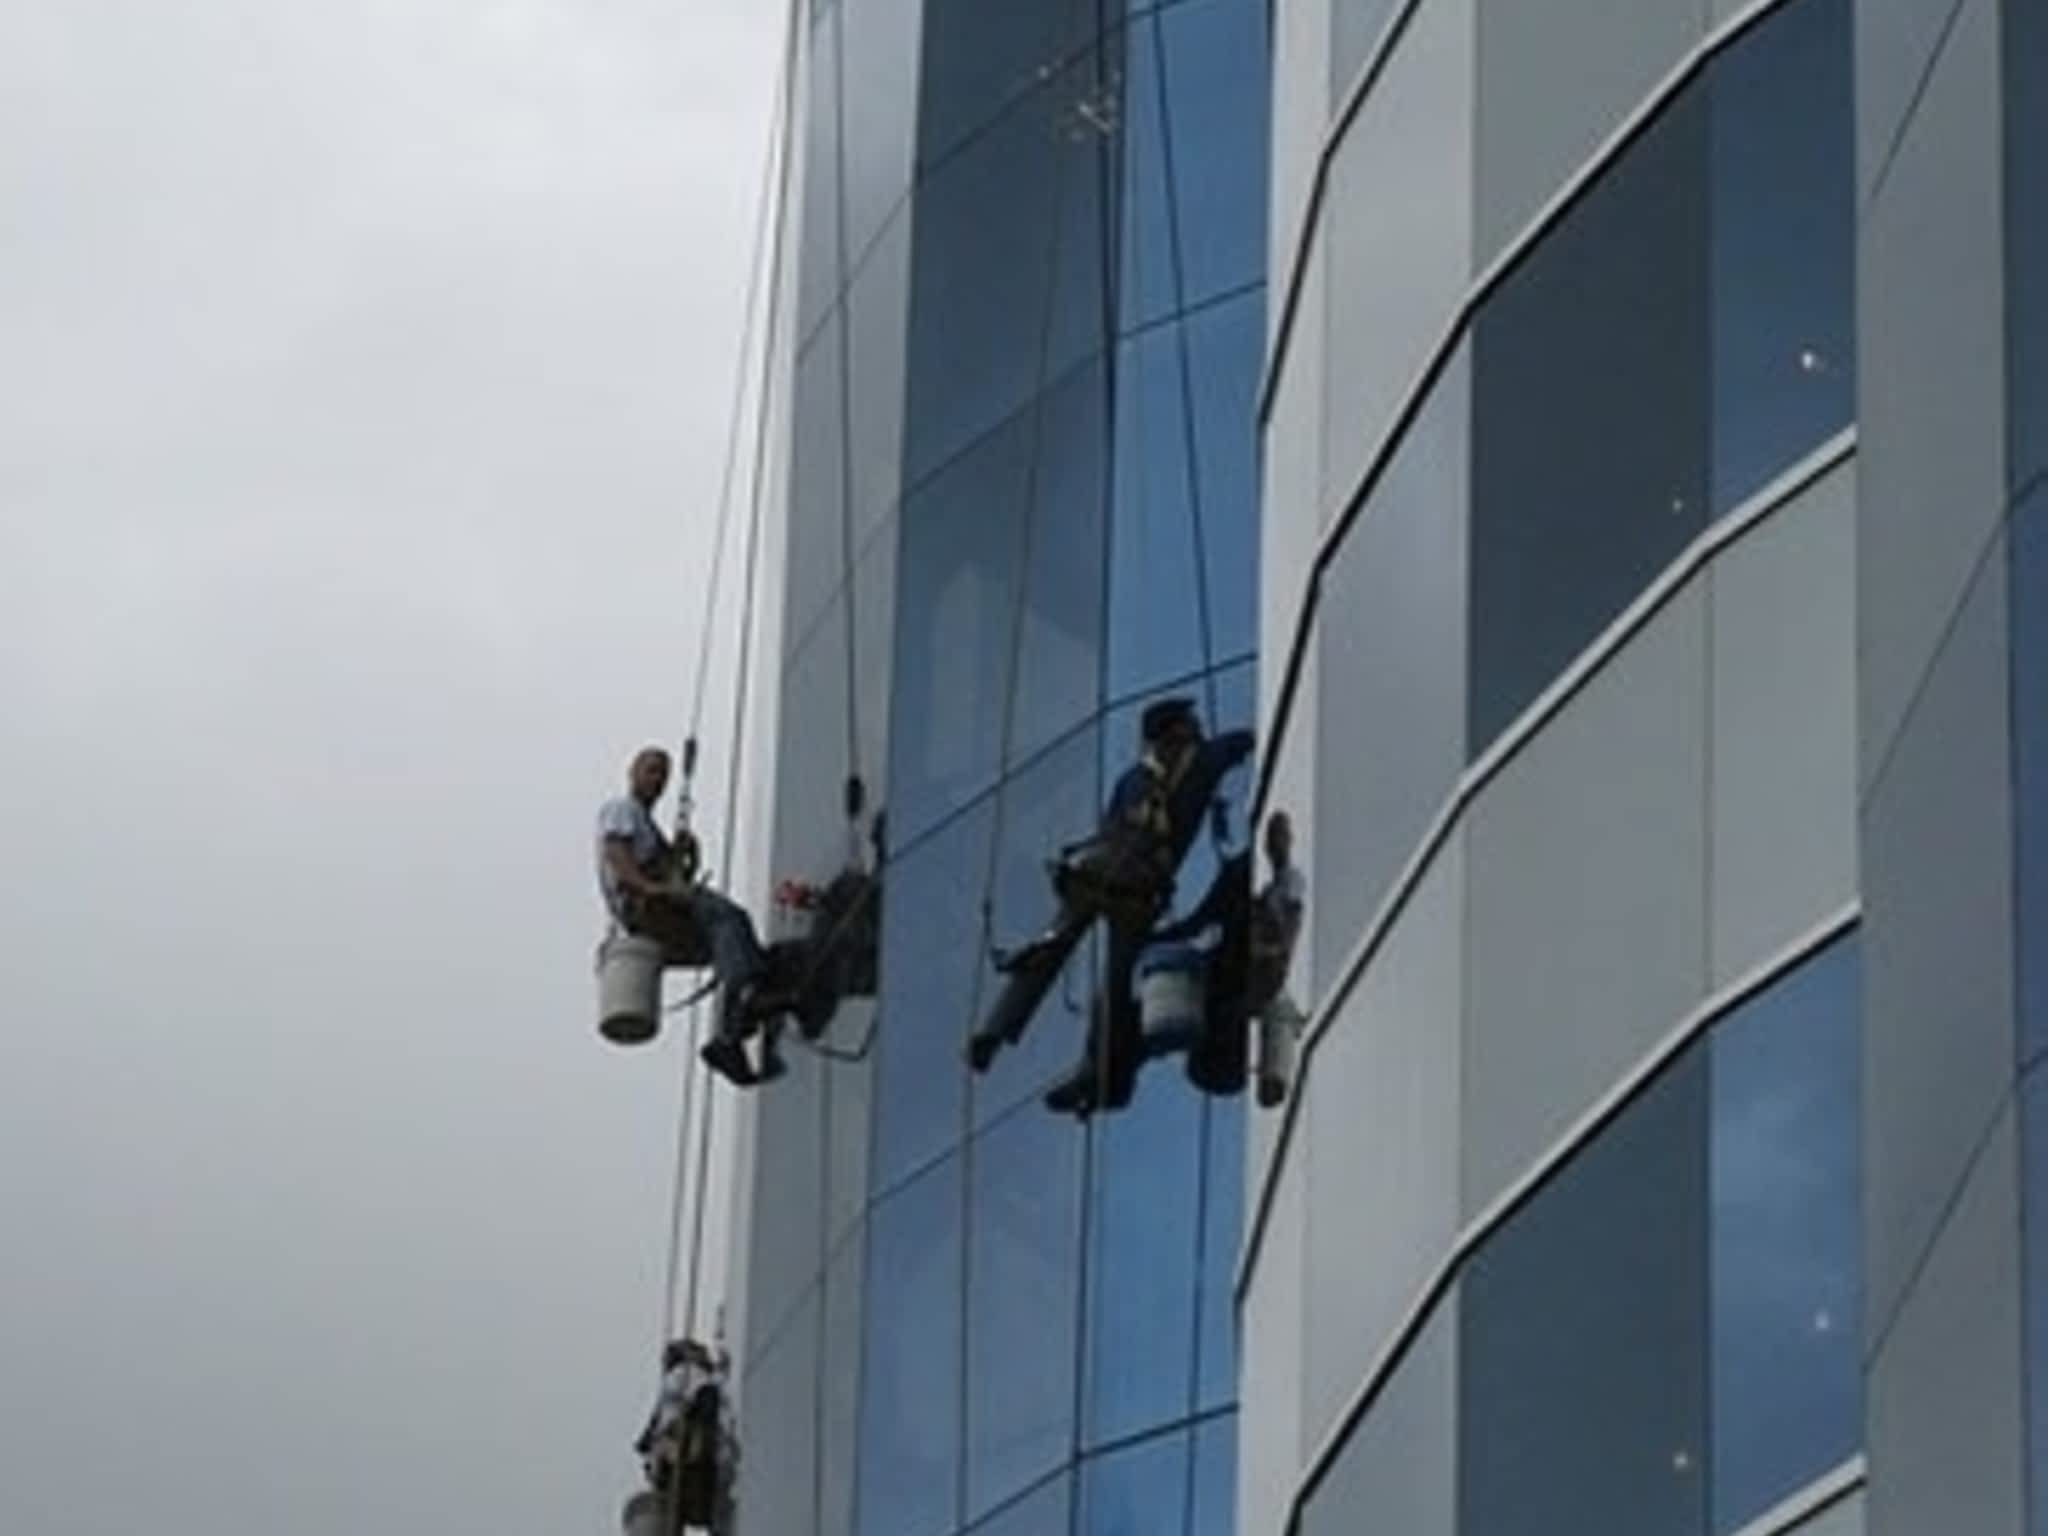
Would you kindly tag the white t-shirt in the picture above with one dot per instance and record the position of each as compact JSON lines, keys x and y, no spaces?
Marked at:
{"x":626,"y":818}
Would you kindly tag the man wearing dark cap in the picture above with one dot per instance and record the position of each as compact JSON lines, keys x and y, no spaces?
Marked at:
{"x":1125,"y":872}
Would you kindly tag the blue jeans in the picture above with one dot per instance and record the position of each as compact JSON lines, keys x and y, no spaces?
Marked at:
{"x":723,"y":926}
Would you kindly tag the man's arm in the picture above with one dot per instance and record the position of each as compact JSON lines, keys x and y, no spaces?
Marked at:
{"x":618,"y":857}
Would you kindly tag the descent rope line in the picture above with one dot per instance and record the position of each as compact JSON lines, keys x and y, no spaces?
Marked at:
{"x":1177,"y":264}
{"x":769,"y":228}
{"x":750,"y":590}
{"x":1028,"y":518}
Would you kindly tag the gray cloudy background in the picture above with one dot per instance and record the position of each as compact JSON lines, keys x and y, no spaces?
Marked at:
{"x":363,"y":377}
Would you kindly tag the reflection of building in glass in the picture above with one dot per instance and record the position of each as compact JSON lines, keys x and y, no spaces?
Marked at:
{"x":1639,"y":592}
{"x":1636,"y":630}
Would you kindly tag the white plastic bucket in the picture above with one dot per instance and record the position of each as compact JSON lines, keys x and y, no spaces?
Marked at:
{"x":646,"y":1515}
{"x":1279,"y":1037}
{"x":1170,"y":993}
{"x":629,"y":988}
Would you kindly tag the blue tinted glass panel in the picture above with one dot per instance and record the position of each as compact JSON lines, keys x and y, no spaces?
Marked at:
{"x":1007,"y":276}
{"x":879,"y":85}
{"x":2034,"y":1218}
{"x":1590,"y":407}
{"x":1355,"y":28}
{"x":980,"y":59}
{"x":1059,"y":651}
{"x":1155,"y":604}
{"x":1784,"y":261}
{"x":1787,"y":1237}
{"x":1055,"y":801}
{"x":910,"y":1374}
{"x":1234,"y":701}
{"x":931,"y":949}
{"x":1047,"y":1511}
{"x":1390,"y":630}
{"x":1142,"y":1491}
{"x":1582,"y":1351}
{"x":2025,"y":30}
{"x":1146,"y":291}
{"x":818,"y":269}
{"x":1023,"y":1313}
{"x":1222,"y":1228}
{"x":1215,"y":78}
{"x":964,"y":537}
{"x":1397,"y":1469}
{"x":1225,"y":349}
{"x":1143,"y":1229}
{"x":2029,"y":606}
{"x":1215,"y":1507}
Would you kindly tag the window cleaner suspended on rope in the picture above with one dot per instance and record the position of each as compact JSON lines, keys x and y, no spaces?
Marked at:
{"x":1123,"y":875}
{"x":656,"y":896}
{"x":688,"y":1450}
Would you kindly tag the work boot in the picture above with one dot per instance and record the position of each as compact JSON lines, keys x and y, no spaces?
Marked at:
{"x":1073,"y":1094}
{"x":728,"y":1058}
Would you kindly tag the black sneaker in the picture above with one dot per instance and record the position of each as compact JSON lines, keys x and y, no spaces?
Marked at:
{"x":728,"y":1058}
{"x":773,"y":1065}
{"x":1073,"y":1094}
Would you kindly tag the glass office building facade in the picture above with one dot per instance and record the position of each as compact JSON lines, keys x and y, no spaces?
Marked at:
{"x":1024,"y":312}
{"x":1601,"y":449}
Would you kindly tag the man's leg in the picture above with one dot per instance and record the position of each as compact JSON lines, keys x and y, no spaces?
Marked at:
{"x":741,"y":966}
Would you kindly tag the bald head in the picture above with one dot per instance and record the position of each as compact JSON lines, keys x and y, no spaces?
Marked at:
{"x":648,"y":776}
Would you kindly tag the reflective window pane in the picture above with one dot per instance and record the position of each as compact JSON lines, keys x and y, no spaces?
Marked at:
{"x":1787,"y":1237}
{"x":1046,"y":1511}
{"x":1396,"y":1473}
{"x":931,"y":948}
{"x":1059,"y":651}
{"x":879,"y":85}
{"x":1226,"y":350}
{"x":2029,"y":608}
{"x":1590,"y":370}
{"x":1222,"y":1233}
{"x":2034,"y":1219}
{"x":1215,"y":113}
{"x":1143,"y":1219}
{"x":1215,"y":1506}
{"x":1155,"y":605}
{"x":2026,"y":235}
{"x":1141,"y":1491}
{"x":876,"y":307}
{"x":1146,"y":291}
{"x":1007,"y":288}
{"x":1023,"y":1304}
{"x":1784,"y":263}
{"x":962,"y":540}
{"x":910,"y":1386}
{"x":1390,"y":739}
{"x":1582,"y":1351}
{"x":979,"y":59}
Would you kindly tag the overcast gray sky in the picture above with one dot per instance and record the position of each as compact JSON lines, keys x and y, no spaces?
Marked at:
{"x":363,"y":372}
